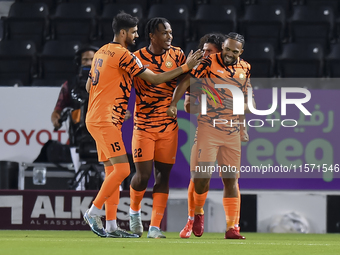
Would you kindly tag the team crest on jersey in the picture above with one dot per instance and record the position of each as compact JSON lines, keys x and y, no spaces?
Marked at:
{"x":242,"y":76}
{"x":168,"y":64}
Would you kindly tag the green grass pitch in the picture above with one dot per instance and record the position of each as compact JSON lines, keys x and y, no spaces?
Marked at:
{"x":20,"y":242}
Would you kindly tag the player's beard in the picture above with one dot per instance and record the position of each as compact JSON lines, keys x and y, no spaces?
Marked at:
{"x":130,"y":42}
{"x":229,"y":60}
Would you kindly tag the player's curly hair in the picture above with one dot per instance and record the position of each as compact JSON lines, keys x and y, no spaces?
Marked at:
{"x":152,"y":26}
{"x":123,"y":21}
{"x":236,"y":37}
{"x":214,"y":38}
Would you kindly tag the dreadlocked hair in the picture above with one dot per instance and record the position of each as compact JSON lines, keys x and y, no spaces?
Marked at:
{"x":152,"y":26}
{"x":236,"y":37}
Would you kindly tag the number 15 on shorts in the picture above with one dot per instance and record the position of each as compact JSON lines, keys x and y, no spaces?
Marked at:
{"x":115,"y":146}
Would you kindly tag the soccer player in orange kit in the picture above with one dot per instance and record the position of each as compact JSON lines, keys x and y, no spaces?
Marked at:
{"x":221,"y":142}
{"x":109,"y":86}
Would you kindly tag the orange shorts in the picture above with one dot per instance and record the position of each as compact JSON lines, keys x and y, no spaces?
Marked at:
{"x":214,"y":144}
{"x":161,"y":147}
{"x":108,"y":139}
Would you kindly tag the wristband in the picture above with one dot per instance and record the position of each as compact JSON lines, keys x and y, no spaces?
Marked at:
{"x":185,"y":68}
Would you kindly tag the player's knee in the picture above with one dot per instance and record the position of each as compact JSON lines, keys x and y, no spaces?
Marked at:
{"x":201,"y":185}
{"x":230,"y":183}
{"x":162,"y":178}
{"x":125,"y":172}
{"x":141,"y":179}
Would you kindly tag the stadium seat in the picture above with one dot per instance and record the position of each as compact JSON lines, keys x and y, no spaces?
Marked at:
{"x":261,"y":57}
{"x":332,"y":61}
{"x":190,"y":4}
{"x":312,"y":24}
{"x":238,"y":5}
{"x":334,"y":4}
{"x":56,"y":62}
{"x":145,"y":4}
{"x":178,"y":15}
{"x":27,"y":21}
{"x":111,"y":10}
{"x":17,"y":61}
{"x":264,"y":24}
{"x":51,"y":4}
{"x":214,"y":18}
{"x":10,"y":83}
{"x":191,"y":46}
{"x":96,"y":3}
{"x":285,"y":4}
{"x":301,"y":60}
{"x":74,"y":21}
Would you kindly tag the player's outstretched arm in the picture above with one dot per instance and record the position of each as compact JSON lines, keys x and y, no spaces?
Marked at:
{"x":190,"y":105}
{"x":178,"y":93}
{"x":153,"y":78}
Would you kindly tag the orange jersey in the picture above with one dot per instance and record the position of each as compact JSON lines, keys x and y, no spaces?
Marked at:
{"x":213,"y":71}
{"x":112,"y":72}
{"x":152,"y":101}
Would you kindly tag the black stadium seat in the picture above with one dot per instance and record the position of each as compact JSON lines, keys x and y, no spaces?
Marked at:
{"x":238,"y":5}
{"x":264,"y":24}
{"x":17,"y":61}
{"x":74,"y":21}
{"x":301,"y":60}
{"x":312,"y":24}
{"x":178,"y":16}
{"x":51,"y":4}
{"x":57,"y":60}
{"x":214,"y":18}
{"x":96,"y":3}
{"x":332,"y":61}
{"x":261,"y":57}
{"x":285,"y":4}
{"x":27,"y":21}
{"x":110,"y":11}
{"x":334,"y":4}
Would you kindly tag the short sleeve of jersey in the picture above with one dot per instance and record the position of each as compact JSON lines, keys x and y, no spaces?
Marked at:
{"x":181,"y":58}
{"x":246,"y":66}
{"x":202,"y":69}
{"x":131,"y":64}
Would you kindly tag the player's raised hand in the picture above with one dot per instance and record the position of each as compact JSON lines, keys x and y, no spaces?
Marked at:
{"x":172,"y":111}
{"x":194,"y":59}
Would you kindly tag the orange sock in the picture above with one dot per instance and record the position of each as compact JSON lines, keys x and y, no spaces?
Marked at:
{"x":136,"y":198}
{"x":237,"y":222}
{"x":159,"y":203}
{"x":111,"y":204}
{"x":230,"y":205}
{"x":111,"y":183}
{"x":191,"y":201}
{"x":199,"y":202}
